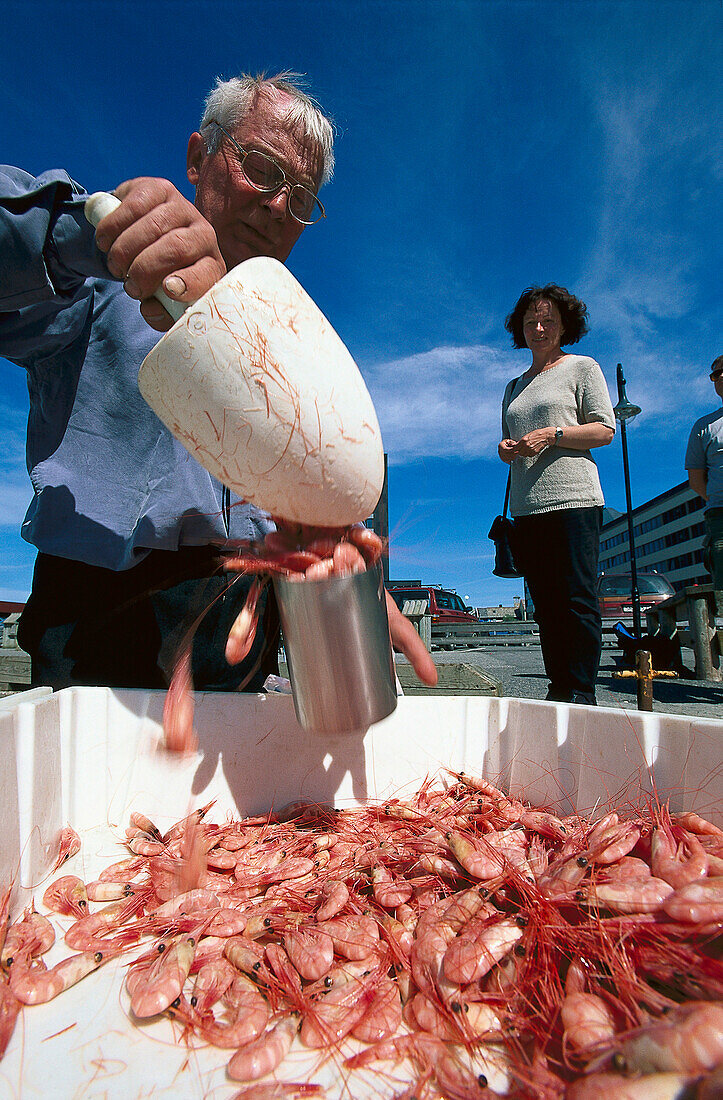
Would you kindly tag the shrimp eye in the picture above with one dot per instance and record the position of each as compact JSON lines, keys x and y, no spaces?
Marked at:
{"x":582,"y":861}
{"x":521,"y":920}
{"x":619,"y":1063}
{"x":328,"y":982}
{"x":256,"y":966}
{"x":482,"y":1081}
{"x":563,"y":829}
{"x":98,"y":957}
{"x":456,"y":1006}
{"x":176,"y":1003}
{"x":267,"y":922}
{"x":194,"y":1000}
{"x":484,"y":893}
{"x":160,"y":948}
{"x":82,"y":903}
{"x":520,"y":950}
{"x":191,"y":941}
{"x":309,"y":893}
{"x":579,"y":895}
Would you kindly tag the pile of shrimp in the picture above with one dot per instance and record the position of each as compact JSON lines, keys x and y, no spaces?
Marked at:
{"x":295,"y":551}
{"x":434,"y":941}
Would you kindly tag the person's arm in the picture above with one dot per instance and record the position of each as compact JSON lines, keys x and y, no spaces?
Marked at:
{"x":407,"y":641}
{"x":157,"y":238}
{"x":698,"y":481}
{"x":575,"y":437}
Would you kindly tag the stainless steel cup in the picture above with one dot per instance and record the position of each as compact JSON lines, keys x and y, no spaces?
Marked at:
{"x":336,"y":635}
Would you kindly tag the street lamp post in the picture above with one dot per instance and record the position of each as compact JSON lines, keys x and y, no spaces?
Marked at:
{"x":624,"y":411}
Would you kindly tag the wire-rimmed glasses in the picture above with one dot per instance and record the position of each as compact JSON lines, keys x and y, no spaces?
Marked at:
{"x":264,"y":174}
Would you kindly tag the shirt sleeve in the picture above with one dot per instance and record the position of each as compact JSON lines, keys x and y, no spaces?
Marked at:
{"x":695,"y":452}
{"x":595,"y":403}
{"x":47,"y":247}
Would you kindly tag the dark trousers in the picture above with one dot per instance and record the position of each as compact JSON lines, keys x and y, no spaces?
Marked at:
{"x":91,"y":626}
{"x":558,"y":554}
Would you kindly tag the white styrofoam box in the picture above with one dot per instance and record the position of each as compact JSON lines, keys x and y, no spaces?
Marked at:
{"x":88,"y":756}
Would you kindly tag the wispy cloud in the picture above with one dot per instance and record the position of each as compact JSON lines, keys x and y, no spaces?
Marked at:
{"x":441,"y":403}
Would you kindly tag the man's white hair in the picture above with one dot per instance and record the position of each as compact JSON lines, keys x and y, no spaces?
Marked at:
{"x":231,"y":101}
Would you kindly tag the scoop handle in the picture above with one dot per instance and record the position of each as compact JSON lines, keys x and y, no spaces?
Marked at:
{"x":100,"y":204}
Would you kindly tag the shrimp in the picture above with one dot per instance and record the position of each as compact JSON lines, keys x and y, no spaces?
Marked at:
{"x":383,"y":1016}
{"x":214,"y":977}
{"x":280,"y":1090}
{"x":587,"y":1022}
{"x":354,"y":937}
{"x":247,"y":1019}
{"x":612,"y":1086}
{"x":33,"y":985}
{"x":680,"y":863}
{"x":67,"y":895}
{"x":699,"y":902}
{"x":689,"y":1040}
{"x":638,"y":896}
{"x":311,"y":951}
{"x":333,"y":897}
{"x":153,"y":987}
{"x":68,"y":846}
{"x":388,"y":891}
{"x":467,"y":960}
{"x":264,"y":1054}
{"x":32,"y":935}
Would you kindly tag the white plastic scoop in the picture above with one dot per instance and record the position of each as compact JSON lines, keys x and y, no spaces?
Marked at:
{"x":259,"y":388}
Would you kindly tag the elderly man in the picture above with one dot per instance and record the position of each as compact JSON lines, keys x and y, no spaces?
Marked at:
{"x":127,"y":525}
{"x":704,"y":463}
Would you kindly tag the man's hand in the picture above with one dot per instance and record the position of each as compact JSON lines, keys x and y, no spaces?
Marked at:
{"x":158,"y":239}
{"x":408,"y":642}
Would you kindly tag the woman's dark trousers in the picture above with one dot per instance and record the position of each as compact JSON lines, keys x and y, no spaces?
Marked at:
{"x":558,"y":554}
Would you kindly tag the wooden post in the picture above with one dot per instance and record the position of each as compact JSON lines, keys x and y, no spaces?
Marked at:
{"x":644,"y":679}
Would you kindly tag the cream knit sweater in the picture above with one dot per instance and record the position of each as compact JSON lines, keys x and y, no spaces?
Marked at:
{"x":572,"y":392}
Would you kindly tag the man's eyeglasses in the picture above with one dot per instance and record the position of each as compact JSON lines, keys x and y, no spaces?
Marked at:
{"x":264,"y":174}
{"x":716,"y":374}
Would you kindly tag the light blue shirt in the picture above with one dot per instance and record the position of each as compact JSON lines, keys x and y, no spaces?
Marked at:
{"x":110,"y":481}
{"x":705,"y":452}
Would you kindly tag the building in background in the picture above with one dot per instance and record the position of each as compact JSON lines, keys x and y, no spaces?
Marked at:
{"x":668,"y":532}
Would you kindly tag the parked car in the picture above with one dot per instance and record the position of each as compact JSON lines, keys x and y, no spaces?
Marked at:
{"x":614,"y":594}
{"x":444,"y":606}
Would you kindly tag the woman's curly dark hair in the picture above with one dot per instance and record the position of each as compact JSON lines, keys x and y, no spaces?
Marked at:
{"x":572,"y":311}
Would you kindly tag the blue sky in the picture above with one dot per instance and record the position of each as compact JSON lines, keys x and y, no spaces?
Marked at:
{"x":482,"y":147}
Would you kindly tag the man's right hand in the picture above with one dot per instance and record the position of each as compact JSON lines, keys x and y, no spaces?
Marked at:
{"x":157,"y":239}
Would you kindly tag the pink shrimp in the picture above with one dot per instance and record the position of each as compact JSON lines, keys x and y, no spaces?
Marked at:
{"x":353,"y":936}
{"x":383,"y":1015}
{"x":242,"y":633}
{"x":32,"y":935}
{"x":637,"y":896}
{"x":612,"y":1086}
{"x":68,"y":846}
{"x":264,"y":1054}
{"x":93,"y":930}
{"x":333,"y":896}
{"x":469,"y":958}
{"x":67,"y":895}
{"x":179,"y":735}
{"x":388,"y":891}
{"x":213,"y":978}
{"x":155,"y":986}
{"x":311,"y":951}
{"x":609,"y":839}
{"x":696,"y":824}
{"x":688,"y":1040}
{"x":246,"y":1020}
{"x":699,"y":902}
{"x":587,"y":1022}
{"x":677,"y":862}
{"x":34,"y":985}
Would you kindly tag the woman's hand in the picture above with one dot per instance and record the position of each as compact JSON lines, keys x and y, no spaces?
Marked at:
{"x":534,"y":443}
{"x":507,"y":450}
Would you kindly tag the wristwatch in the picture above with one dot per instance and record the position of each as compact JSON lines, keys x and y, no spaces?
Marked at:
{"x":558,"y":436}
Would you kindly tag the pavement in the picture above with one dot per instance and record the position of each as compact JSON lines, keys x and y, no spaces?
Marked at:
{"x":521,"y":674}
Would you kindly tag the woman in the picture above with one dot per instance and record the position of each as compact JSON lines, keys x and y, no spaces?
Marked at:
{"x":552,"y":416}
